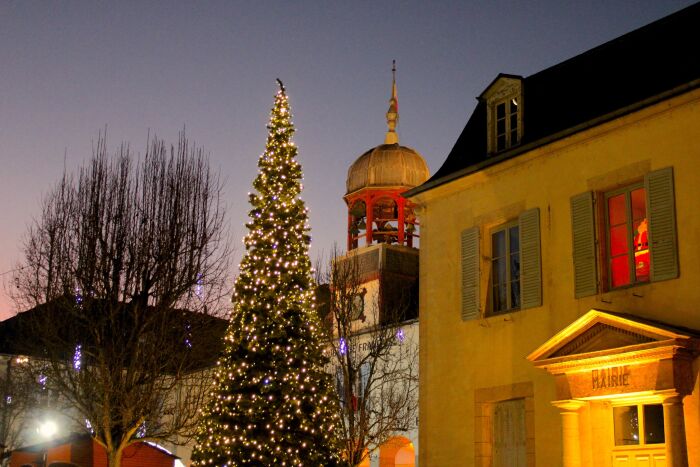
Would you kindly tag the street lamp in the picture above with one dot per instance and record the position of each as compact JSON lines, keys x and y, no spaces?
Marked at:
{"x":47,"y":428}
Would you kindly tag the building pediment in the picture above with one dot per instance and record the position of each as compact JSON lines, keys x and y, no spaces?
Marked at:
{"x":606,"y":354}
{"x":502,"y":86}
{"x":601,"y":336}
{"x":606,"y":336}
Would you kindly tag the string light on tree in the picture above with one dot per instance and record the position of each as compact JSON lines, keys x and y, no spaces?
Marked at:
{"x":272,"y":404}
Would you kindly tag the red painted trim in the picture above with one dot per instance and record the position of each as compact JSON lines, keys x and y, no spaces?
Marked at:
{"x":369,"y":196}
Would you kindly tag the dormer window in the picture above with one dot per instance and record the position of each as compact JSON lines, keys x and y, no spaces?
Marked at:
{"x":504,"y":99}
{"x":507,"y":124}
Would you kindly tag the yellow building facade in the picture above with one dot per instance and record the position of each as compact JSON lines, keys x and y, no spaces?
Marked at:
{"x":560,"y":266}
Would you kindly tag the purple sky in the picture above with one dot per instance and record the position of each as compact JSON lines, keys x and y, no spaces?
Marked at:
{"x":67,"y":69}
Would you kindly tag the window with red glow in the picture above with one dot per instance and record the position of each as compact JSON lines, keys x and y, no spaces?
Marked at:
{"x":628,"y":246}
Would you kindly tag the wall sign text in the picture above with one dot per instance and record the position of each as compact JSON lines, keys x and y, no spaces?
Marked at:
{"x":617,"y":376}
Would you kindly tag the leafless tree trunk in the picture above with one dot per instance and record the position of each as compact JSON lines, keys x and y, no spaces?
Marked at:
{"x":374,"y":359}
{"x":123,"y":275}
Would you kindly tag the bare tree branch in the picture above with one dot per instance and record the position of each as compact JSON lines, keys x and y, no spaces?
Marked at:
{"x":374,"y":360}
{"x":124,"y":274}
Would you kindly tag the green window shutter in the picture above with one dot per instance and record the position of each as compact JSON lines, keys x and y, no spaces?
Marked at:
{"x":470,"y":273}
{"x":661,"y":210}
{"x":584,"y":247}
{"x":530,"y":259}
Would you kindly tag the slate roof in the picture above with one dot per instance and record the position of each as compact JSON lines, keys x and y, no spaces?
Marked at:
{"x":654,"y":62}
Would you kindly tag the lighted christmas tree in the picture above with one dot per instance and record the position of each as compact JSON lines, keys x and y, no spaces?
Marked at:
{"x":272,"y":402}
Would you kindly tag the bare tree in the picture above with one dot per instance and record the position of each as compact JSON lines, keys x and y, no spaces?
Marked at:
{"x":373,"y":358}
{"x":19,"y":397}
{"x":123,"y":275}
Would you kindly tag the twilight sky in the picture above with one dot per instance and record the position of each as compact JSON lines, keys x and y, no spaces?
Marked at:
{"x":69,"y":68}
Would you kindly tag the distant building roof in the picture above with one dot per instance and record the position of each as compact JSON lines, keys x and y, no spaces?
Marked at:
{"x":627,"y":73}
{"x":204,"y":340}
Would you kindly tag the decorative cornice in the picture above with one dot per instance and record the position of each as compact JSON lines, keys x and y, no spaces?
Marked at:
{"x":632,"y":356}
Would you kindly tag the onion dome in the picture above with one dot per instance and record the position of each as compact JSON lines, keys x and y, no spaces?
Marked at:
{"x":387,"y":165}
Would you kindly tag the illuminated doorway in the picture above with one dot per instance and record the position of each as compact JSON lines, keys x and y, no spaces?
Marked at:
{"x":639,"y":436}
{"x":397,"y":452}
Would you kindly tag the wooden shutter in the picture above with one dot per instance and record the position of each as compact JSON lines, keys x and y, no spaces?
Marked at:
{"x":584,"y":247}
{"x":530,"y":259}
{"x":509,"y":438}
{"x":662,"y":224}
{"x":470,"y":273}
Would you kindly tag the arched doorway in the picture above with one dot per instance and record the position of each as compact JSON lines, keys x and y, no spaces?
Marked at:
{"x":397,"y":452}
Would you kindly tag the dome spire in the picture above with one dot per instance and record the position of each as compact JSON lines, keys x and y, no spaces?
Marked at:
{"x":392,"y":115}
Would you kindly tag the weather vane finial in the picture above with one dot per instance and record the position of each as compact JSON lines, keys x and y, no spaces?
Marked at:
{"x":392,"y":115}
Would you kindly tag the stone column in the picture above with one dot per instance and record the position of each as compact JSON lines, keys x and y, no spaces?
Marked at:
{"x":674,"y":430}
{"x":571,"y":443}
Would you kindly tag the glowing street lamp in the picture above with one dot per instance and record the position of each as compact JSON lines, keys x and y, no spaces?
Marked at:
{"x":48,"y":428}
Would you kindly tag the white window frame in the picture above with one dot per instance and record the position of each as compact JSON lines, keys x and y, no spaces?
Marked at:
{"x":508,"y":114}
{"x":641,"y":428}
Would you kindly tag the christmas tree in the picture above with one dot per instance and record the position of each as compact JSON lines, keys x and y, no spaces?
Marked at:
{"x":272,"y":402}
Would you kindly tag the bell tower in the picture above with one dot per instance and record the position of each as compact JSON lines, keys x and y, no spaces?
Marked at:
{"x":377,"y":213}
{"x":383,"y":230}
